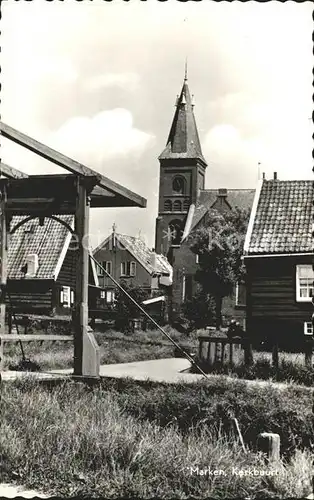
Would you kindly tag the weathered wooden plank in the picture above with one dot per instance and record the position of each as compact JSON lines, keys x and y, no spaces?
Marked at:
{"x":69,"y":164}
{"x":11,"y":172}
{"x":34,"y":338}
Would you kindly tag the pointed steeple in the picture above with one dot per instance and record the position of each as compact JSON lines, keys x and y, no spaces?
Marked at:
{"x":183,"y":140}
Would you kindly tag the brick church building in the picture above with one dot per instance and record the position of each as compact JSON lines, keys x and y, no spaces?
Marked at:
{"x":184,"y":202}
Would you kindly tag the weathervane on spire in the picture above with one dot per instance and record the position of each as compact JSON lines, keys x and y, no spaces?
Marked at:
{"x":186,"y":70}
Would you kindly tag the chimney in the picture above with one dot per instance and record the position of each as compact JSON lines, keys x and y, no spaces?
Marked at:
{"x":222,"y":193}
{"x":264,"y":177}
{"x":31,"y":265}
{"x":275,"y":176}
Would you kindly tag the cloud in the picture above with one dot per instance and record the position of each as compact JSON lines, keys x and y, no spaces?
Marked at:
{"x":128,"y":81}
{"x":78,"y":76}
{"x":107,"y":135}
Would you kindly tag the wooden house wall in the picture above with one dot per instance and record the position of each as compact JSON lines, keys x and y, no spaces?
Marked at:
{"x":272,"y":308}
{"x":67,"y":277}
{"x":43,"y":296}
{"x":117,"y":256}
{"x":30,"y":296}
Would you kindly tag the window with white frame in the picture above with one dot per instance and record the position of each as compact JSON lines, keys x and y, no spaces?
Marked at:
{"x":107,"y":265}
{"x":128,"y":268}
{"x":240,"y":294}
{"x":183,"y":286}
{"x":304,"y":283}
{"x":308,"y":328}
{"x":110,"y":298}
{"x":65,"y":296}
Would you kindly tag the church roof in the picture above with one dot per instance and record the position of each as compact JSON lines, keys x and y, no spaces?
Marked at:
{"x":183,"y":140}
{"x":209,"y":199}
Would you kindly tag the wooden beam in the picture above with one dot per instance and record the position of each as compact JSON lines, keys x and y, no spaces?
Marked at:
{"x":3,"y":259}
{"x":11,"y":172}
{"x":86,"y":350}
{"x":71,"y":165}
{"x":34,"y":338}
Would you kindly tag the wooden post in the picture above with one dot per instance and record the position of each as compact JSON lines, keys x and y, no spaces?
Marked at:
{"x":275,"y":355}
{"x":200,"y":348}
{"x":1,"y":356}
{"x":4,"y":259}
{"x":86,"y":350}
{"x":269,"y":443}
{"x":248,"y":353}
{"x":308,"y":352}
{"x":231,"y":353}
{"x":238,"y":433}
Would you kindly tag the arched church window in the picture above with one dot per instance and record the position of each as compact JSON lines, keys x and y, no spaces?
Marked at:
{"x":186,"y":205}
{"x":168,"y":205}
{"x":178,"y":184}
{"x":175,"y":232}
{"x":177,"y":206}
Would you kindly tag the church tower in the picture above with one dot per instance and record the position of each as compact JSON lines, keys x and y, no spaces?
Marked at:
{"x":182,"y":173}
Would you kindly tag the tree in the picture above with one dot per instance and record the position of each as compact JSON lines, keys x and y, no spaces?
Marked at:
{"x":200,"y":310}
{"x":219,"y":245}
{"x":125,"y":309}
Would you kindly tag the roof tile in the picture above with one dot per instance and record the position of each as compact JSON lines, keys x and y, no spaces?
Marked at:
{"x":46,"y":241}
{"x":283,"y":219}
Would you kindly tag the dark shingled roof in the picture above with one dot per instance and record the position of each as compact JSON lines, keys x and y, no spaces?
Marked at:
{"x":241,"y":198}
{"x":283,"y":219}
{"x":183,"y":140}
{"x":46,"y":241}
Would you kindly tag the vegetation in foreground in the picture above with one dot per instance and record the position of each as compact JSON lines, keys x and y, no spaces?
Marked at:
{"x":74,"y":440}
{"x":289,"y":370}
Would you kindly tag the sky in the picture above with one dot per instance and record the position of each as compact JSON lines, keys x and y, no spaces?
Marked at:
{"x":98,"y":81}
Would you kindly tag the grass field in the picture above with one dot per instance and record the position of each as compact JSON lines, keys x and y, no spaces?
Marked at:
{"x":121,"y":439}
{"x":115,"y":347}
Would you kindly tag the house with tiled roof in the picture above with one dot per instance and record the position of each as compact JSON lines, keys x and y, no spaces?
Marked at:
{"x":278,"y":255}
{"x":42,"y":267}
{"x":184,"y":203}
{"x":128,"y":258}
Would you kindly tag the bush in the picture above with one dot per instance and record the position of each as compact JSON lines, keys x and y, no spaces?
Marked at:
{"x":200,"y":310}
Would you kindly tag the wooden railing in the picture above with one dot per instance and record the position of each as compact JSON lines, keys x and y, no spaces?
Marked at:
{"x":222,"y":350}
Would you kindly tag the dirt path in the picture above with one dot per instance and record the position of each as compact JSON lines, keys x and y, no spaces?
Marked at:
{"x":12,"y":491}
{"x":169,"y":370}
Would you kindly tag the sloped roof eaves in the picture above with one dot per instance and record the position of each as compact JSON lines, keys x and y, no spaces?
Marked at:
{"x":142,"y":253}
{"x":241,"y":198}
{"x":283,"y":219}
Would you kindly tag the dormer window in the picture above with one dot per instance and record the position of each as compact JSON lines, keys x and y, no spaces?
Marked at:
{"x":178,"y":184}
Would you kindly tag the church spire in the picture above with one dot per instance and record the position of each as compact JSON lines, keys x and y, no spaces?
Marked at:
{"x":183,"y":140}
